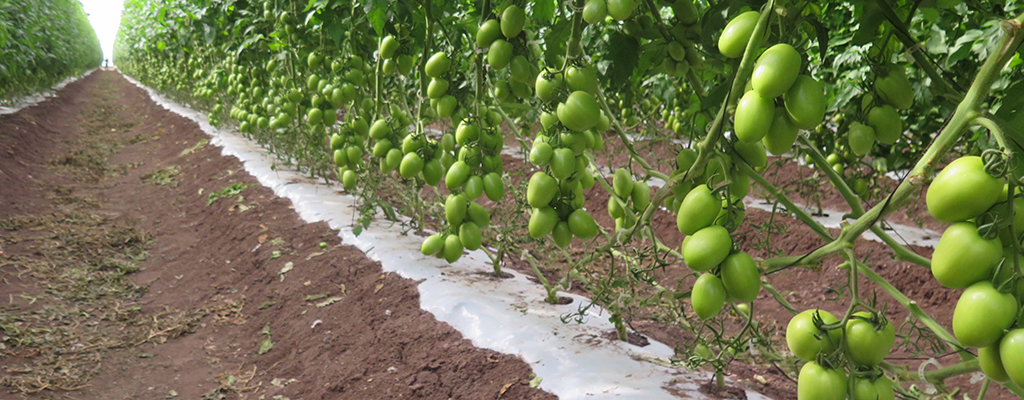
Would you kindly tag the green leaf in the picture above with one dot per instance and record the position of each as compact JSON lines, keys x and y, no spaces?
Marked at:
{"x":265,"y":346}
{"x":375,"y":10}
{"x":624,"y":54}
{"x":554,"y":40}
{"x":871,"y":18}
{"x":544,"y":11}
{"x":821,"y":32}
{"x":336,"y":29}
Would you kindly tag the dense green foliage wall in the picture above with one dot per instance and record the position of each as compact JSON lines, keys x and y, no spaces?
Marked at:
{"x":43,"y":42}
{"x":409,"y":103}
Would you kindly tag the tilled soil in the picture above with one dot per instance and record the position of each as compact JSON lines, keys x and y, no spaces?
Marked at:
{"x":139,"y":263}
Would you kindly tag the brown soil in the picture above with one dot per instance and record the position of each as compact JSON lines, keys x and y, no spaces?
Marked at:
{"x":213,"y":288}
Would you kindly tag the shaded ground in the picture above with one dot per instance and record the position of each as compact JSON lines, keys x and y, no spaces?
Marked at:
{"x":139,"y":263}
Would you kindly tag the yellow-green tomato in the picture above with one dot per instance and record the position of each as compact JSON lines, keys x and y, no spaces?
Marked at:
{"x":805,"y":102}
{"x":962,"y":257}
{"x":803,"y":337}
{"x":963,"y":190}
{"x":579,"y":112}
{"x":1011,"y":347}
{"x":776,"y":70}
{"x":708,"y":296}
{"x":753,"y":112}
{"x":981,"y":315}
{"x":887,"y":124}
{"x":861,"y":138}
{"x":741,"y":278}
{"x":594,"y":11}
{"x":698,"y":210}
{"x":992,"y":363}
{"x":869,"y":338}
{"x":816,"y":382}
{"x":542,"y":221}
{"x":707,"y":248}
{"x":737,"y":33}
{"x":781,"y":134}
{"x":878,"y":389}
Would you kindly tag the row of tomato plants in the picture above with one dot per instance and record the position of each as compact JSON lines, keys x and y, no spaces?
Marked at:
{"x":410,"y":105}
{"x":42,"y":43}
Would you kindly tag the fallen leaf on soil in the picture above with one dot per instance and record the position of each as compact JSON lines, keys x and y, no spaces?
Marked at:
{"x":318,"y":296}
{"x":535,"y":381}
{"x":265,"y":345}
{"x":317,"y":254}
{"x":262,"y":238}
{"x":282,"y":383}
{"x":288,"y":266}
{"x":329,"y":301}
{"x":505,"y":387}
{"x":267,"y":304}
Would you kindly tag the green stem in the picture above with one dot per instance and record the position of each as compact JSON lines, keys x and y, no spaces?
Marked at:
{"x":922,"y":59}
{"x":781,"y":197}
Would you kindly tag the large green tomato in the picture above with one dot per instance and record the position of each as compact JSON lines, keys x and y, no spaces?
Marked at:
{"x":981,"y":315}
{"x":457,"y":175}
{"x":707,"y":248}
{"x":698,"y":210}
{"x":469,"y":235}
{"x":741,"y":278}
{"x":805,"y":102}
{"x":737,"y":33}
{"x":895,"y":88}
{"x":388,"y":47}
{"x":437,"y":65}
{"x":752,"y":114}
{"x":781,"y":134}
{"x":542,"y":222}
{"x":579,"y":112}
{"x":620,"y":9}
{"x":992,"y":363}
{"x":452,"y":248}
{"x":963,"y":190}
{"x":594,"y":11}
{"x":455,"y":209}
{"x":753,"y":153}
{"x":622,"y":183}
{"x":861,"y":138}
{"x":879,"y":389}
{"x":489,"y":31}
{"x":513,"y":19}
{"x":887,"y":124}
{"x":962,"y":257}
{"x":802,"y":335}
{"x":582,"y":78}
{"x":582,"y":224}
{"x":818,"y":383}
{"x":708,"y":296}
{"x":432,"y":245}
{"x":499,"y":54}
{"x":1011,"y":352}
{"x":541,"y":189}
{"x":775,"y":71}
{"x":411,"y":165}
{"x":866,"y":344}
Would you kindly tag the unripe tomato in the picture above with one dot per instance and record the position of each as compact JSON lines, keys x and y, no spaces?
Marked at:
{"x":457,"y":175}
{"x":473,"y":188}
{"x":542,"y":222}
{"x":752,"y":153}
{"x":594,"y":11}
{"x":541,"y":189}
{"x":452,"y":248}
{"x":348,"y":179}
{"x":741,"y":278}
{"x":582,"y":224}
{"x":432,"y":245}
{"x":962,"y":257}
{"x":411,"y":165}
{"x":685,"y":159}
{"x":805,"y":102}
{"x":707,"y":248}
{"x":433,"y":172}
{"x":489,"y":31}
{"x":620,"y":9}
{"x":388,"y":47}
{"x":887,"y":124}
{"x":541,"y":153}
{"x":737,"y":33}
{"x":861,"y":138}
{"x":513,"y":19}
{"x":981,"y":315}
{"x":752,"y":113}
{"x":547,"y":86}
{"x":521,"y":69}
{"x":579,"y":112}
{"x":622,"y":183}
{"x":895,"y":88}
{"x":563,"y":163}
{"x":708,"y":296}
{"x":815,"y":382}
{"x":803,"y":338}
{"x":879,"y":389}
{"x":963,"y":190}
{"x":446,"y":106}
{"x":455,"y":209}
{"x":582,"y":78}
{"x":437,"y":88}
{"x":479,"y":215}
{"x":469,"y":235}
{"x":437,"y":65}
{"x":1011,"y":347}
{"x":866,"y":344}
{"x":561,"y":234}
{"x":641,"y":195}
{"x":776,"y":70}
{"x":698,"y":210}
{"x":499,"y":54}
{"x":992,"y":363}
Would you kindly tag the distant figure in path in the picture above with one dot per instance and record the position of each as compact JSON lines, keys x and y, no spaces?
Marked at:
{"x":106,"y":63}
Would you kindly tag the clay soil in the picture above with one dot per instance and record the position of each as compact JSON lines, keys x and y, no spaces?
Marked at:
{"x":139,"y":263}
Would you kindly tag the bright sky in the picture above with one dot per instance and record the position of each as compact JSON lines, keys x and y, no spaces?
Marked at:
{"x":105,"y":16}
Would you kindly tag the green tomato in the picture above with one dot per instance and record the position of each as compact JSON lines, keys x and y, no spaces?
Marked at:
{"x":455,"y":209}
{"x":457,"y":175}
{"x":452,"y":248}
{"x":805,"y":102}
{"x":348,"y":179}
{"x":489,"y":31}
{"x":412,"y":165}
{"x":776,"y":70}
{"x":541,"y":189}
{"x":582,"y":78}
{"x":494,"y":188}
{"x":582,"y":224}
{"x":698,"y":210}
{"x":895,"y":89}
{"x":641,"y":196}
{"x":388,"y":47}
{"x":803,"y":337}
{"x":753,"y":154}
{"x":620,"y":9}
{"x":563,"y":163}
{"x":432,"y":245}
{"x":542,"y":222}
{"x":437,"y":88}
{"x":547,"y":86}
{"x":469,"y":235}
{"x":622,"y":183}
{"x":981,"y":315}
{"x":707,"y":248}
{"x":861,"y":138}
{"x":579,"y":112}
{"x":541,"y":153}
{"x":878,"y":389}
{"x":1011,"y":347}
{"x":887,"y":124}
{"x":561,"y":234}
{"x":963,"y":190}
{"x":752,"y":112}
{"x":737,"y":33}
{"x":963,"y":258}
{"x":437,"y":65}
{"x":594,"y":11}
{"x":867,"y":344}
{"x":741,"y":278}
{"x":433,"y":172}
{"x":513,"y":19}
{"x":815,"y":382}
{"x":708,"y":296}
{"x":474,"y":187}
{"x":992,"y":363}
{"x":499,"y":54}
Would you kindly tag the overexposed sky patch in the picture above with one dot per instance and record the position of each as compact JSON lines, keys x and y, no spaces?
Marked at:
{"x":105,"y":17}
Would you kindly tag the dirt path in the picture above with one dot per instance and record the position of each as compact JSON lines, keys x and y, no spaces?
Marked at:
{"x":138,"y":263}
